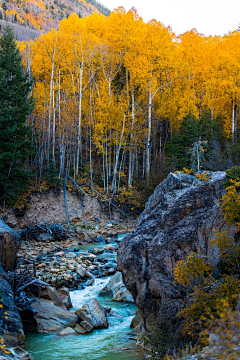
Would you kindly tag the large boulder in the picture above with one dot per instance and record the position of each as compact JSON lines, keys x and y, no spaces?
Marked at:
{"x":49,"y":317}
{"x":116,"y":289}
{"x":11,"y":322}
{"x":94,"y":314}
{"x":180,"y":217}
{"x":50,"y":293}
{"x":10,"y":243}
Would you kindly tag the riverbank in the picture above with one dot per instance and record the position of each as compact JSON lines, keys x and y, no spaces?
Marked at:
{"x":89,"y":252}
{"x":113,"y":342}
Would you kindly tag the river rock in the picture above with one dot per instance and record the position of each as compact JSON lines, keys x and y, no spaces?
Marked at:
{"x":110,"y":248}
{"x":94,"y":314}
{"x":45,"y":237}
{"x":179,"y":218}
{"x":116,"y":289}
{"x":84,"y":235}
{"x":50,"y":317}
{"x":86,"y":326}
{"x":98,"y":251}
{"x":67,"y":331}
{"x":79,"y":329}
{"x":65,"y":296}
{"x":17,"y":353}
{"x":80,"y":270}
{"x":10,"y":243}
{"x":12,"y":323}
{"x":137,"y":319}
{"x":89,"y":282}
{"x":50,"y":293}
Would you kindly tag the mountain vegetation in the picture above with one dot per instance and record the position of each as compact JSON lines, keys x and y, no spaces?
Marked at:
{"x":118,"y":104}
{"x":16,"y":105}
{"x":41,"y":16}
{"x":121,"y":100}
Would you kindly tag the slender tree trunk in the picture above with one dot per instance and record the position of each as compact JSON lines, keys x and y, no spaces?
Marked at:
{"x":54,"y":126}
{"x":233,"y":119}
{"x":113,"y":188}
{"x":130,"y":173}
{"x":79,"y":116}
{"x":50,"y":105}
{"x":148,"y":160}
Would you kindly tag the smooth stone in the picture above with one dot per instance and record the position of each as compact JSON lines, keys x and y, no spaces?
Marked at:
{"x":67,"y":331}
{"x":80,"y":270}
{"x":79,"y":329}
{"x":49,"y":317}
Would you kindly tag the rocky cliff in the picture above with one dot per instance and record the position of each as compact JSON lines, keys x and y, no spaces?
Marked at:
{"x":10,"y":326}
{"x":10,"y":243}
{"x":180,"y":217}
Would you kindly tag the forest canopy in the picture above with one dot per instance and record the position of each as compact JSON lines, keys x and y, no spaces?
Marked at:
{"x":112,"y":92}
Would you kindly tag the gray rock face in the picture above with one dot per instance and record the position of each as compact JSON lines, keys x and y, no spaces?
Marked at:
{"x":10,"y":243}
{"x":179,"y":218}
{"x":12,"y":323}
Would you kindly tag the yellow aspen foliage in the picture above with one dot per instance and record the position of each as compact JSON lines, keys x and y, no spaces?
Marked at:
{"x":192,"y":270}
{"x":113,"y":90}
{"x":230,"y":204}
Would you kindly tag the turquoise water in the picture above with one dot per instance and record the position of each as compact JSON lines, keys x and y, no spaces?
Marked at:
{"x":107,"y":344}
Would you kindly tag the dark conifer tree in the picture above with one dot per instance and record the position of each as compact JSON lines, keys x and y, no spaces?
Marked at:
{"x":15,"y":106}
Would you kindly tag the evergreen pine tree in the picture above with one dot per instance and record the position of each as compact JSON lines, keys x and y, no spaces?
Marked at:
{"x":15,"y":105}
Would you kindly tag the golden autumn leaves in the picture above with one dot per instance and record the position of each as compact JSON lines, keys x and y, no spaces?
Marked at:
{"x":104,"y":83}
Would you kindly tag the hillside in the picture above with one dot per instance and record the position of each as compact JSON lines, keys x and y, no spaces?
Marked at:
{"x":32,"y":17}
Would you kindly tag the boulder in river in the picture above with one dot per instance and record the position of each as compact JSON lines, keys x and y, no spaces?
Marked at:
{"x":116,"y":289}
{"x":80,"y":330}
{"x":67,"y":331}
{"x":49,"y":317}
{"x":179,"y":218}
{"x":94,"y":313}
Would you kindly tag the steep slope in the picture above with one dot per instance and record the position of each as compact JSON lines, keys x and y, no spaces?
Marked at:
{"x":32,"y":17}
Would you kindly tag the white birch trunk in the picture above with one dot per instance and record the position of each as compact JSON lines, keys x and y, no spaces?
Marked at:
{"x":149,"y":135}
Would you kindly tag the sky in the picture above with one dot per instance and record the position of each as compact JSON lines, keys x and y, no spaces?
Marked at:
{"x":210,"y":17}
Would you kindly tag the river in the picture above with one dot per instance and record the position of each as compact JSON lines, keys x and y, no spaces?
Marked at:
{"x":107,"y":344}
